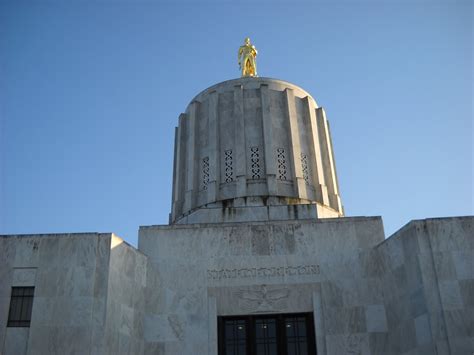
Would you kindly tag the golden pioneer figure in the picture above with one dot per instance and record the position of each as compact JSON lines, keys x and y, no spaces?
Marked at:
{"x":246,"y":57}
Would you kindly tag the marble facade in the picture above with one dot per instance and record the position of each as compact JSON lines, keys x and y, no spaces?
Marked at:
{"x":256,"y":227}
{"x":409,"y":294}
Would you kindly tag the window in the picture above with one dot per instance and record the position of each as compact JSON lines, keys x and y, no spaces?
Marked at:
{"x":278,"y":334}
{"x":21,"y":304}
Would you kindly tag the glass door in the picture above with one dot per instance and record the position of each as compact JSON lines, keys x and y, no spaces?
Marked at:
{"x":276,"y":334}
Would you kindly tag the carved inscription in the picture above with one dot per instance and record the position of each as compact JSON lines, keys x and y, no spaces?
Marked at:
{"x":263,"y":272}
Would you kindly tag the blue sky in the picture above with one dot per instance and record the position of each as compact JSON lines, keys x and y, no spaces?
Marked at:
{"x":90,"y":93}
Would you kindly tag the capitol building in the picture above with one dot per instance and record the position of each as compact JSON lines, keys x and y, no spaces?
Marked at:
{"x":258,"y":256}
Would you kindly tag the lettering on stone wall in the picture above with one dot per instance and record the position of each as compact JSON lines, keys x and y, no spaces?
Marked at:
{"x":275,"y":271}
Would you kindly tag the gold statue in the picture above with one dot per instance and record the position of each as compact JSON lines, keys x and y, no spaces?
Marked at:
{"x":246,"y":57}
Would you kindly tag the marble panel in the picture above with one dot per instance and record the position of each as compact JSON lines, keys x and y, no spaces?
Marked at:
{"x":45,"y":340}
{"x":154,"y":348}
{"x":459,"y":322}
{"x":123,"y":344}
{"x":464,"y":264}
{"x":394,"y":252}
{"x":442,"y":347}
{"x":373,"y":264}
{"x":397,"y":312}
{"x":332,"y":294}
{"x":409,"y":242}
{"x":369,"y":234}
{"x":342,"y":344}
{"x":73,"y":339}
{"x":28,"y":252}
{"x":375,"y":318}
{"x":417,"y":302}
{"x":461,"y":345}
{"x":4,"y":310}
{"x":24,"y":277}
{"x":98,"y":322}
{"x":423,"y":329}
{"x":445,"y":268}
{"x":43,"y":310}
{"x":450,"y":294}
{"x":407,"y":335}
{"x":16,"y":341}
{"x":379,"y":343}
{"x":466,"y":288}
{"x":413,"y":274}
{"x":451,"y":234}
{"x":344,"y":320}
{"x":283,"y":240}
{"x":260,"y":240}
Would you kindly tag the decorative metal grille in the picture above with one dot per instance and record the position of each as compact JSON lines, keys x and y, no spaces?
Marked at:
{"x":281,"y":164}
{"x":21,"y":304}
{"x":304,"y":166}
{"x":205,"y":173}
{"x":255,"y":162}
{"x":266,"y":334}
{"x":229,"y":170}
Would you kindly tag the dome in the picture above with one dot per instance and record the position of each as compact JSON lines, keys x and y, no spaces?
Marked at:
{"x":253,"y":149}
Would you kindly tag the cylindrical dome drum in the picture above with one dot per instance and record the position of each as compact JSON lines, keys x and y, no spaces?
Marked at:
{"x":253,"y":142}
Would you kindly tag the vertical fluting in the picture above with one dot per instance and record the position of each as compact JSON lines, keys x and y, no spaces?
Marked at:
{"x":214,"y":161}
{"x":317,"y":162}
{"x":175,"y":172}
{"x":240,"y":157}
{"x":191,"y":168}
{"x":179,"y":166}
{"x":328,"y":160}
{"x":295,"y":146}
{"x":253,"y":137}
{"x":270,"y":167}
{"x":337,"y":197}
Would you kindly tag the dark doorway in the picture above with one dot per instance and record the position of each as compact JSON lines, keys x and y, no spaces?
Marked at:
{"x":274,"y":334}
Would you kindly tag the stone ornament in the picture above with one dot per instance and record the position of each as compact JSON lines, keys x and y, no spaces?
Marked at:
{"x":263,"y":300}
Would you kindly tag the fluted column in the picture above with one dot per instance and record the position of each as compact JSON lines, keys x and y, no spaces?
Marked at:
{"x":178,"y":171}
{"x":295,"y":145}
{"x":240,"y":156}
{"x":270,"y":167}
{"x":337,"y":196}
{"x":191,"y":166}
{"x":328,"y":160}
{"x":214,"y":161}
{"x":317,"y":161}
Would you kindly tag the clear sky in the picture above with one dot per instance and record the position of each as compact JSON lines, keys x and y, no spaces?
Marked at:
{"x":90,"y":93}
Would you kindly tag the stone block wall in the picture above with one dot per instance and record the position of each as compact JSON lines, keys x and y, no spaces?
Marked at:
{"x":427,"y":276}
{"x":206,"y":270}
{"x":88,"y":295}
{"x":70,"y":283}
{"x":125,"y":300}
{"x":409,"y":294}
